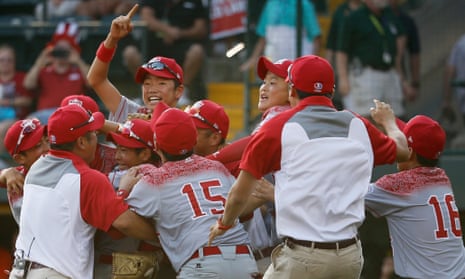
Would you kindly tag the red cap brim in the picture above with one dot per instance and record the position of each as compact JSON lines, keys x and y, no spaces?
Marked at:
{"x":125,"y":141}
{"x":264,"y":65}
{"x":142,"y":71}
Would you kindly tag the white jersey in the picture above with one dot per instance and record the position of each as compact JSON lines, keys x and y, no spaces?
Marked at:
{"x":331,"y":206}
{"x":424,"y":223}
{"x":64,"y":202}
{"x":185,"y":198}
{"x":125,"y":107}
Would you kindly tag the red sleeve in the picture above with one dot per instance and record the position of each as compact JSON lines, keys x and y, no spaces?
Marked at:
{"x":263,"y":153}
{"x":233,"y":168}
{"x":99,"y":204}
{"x":384,"y":148}
{"x":231,"y":152}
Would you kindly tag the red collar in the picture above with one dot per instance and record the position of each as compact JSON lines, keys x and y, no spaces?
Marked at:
{"x":315,"y":100}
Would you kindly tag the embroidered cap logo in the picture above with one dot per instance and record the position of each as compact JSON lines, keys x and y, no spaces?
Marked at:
{"x":28,"y":126}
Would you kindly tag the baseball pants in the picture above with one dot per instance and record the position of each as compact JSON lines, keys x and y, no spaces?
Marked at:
{"x":228,"y":265}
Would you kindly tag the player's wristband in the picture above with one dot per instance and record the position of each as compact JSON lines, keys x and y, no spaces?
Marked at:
{"x":222,"y":226}
{"x":105,"y":54}
{"x":122,"y":193}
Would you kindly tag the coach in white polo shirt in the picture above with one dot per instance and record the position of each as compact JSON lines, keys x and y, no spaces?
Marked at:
{"x":65,"y":201}
{"x":322,"y":161}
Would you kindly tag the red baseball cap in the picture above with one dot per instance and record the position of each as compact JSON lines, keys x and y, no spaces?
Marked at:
{"x":175,"y":132}
{"x":425,"y":136}
{"x":278,"y":68}
{"x":68,"y":123}
{"x":159,"y":108}
{"x":85,"y":101}
{"x":209,"y":115}
{"x":161,"y":67}
{"x":67,"y":31}
{"x":23,"y":135}
{"x":135,"y":133}
{"x":311,"y":74}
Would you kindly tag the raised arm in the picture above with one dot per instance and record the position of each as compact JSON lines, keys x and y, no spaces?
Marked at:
{"x":383,"y":115}
{"x":31,"y":80}
{"x":98,"y":72}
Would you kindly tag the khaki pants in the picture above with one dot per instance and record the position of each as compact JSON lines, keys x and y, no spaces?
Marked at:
{"x":309,"y":263}
{"x":38,"y":273}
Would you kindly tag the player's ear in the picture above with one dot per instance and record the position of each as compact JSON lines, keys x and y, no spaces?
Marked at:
{"x":179,"y":91}
{"x":146,"y":154}
{"x":411,"y":154}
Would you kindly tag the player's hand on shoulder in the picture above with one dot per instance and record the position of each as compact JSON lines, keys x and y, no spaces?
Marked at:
{"x":129,"y":179}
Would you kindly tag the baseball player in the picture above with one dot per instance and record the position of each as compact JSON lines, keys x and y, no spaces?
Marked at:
{"x":318,"y":209}
{"x":273,"y":99}
{"x":104,"y":160}
{"x":63,"y":195}
{"x":161,"y":77}
{"x":212,"y":125}
{"x":26,"y":141}
{"x":419,"y":204}
{"x":183,"y":197}
{"x":134,"y":146}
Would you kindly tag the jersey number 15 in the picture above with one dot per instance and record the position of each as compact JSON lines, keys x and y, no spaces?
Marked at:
{"x":188,"y":190}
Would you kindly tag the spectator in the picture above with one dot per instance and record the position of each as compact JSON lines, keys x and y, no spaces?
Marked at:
{"x":58,"y":72}
{"x":342,"y":11}
{"x":62,"y":184}
{"x":310,"y":134}
{"x":55,"y":9}
{"x":419,"y":204}
{"x":103,"y":9}
{"x":411,"y":59}
{"x":15,"y":100}
{"x":161,"y":77}
{"x":373,"y":229}
{"x":178,"y":29}
{"x":198,"y":187}
{"x":454,"y":79}
{"x":371,"y":42}
{"x":277,"y":32}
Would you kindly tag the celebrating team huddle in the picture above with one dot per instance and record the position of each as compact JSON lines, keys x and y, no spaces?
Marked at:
{"x":180,"y":202}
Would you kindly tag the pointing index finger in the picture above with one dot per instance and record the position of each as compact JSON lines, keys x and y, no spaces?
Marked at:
{"x":133,"y":11}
